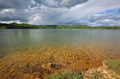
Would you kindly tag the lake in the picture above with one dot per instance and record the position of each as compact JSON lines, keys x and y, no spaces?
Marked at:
{"x":12,"y":40}
{"x":41,"y":52}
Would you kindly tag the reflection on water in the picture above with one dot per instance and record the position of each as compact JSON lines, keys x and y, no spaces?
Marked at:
{"x":16,"y":39}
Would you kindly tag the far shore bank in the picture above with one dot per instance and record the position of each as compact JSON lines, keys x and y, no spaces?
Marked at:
{"x":28,"y":26}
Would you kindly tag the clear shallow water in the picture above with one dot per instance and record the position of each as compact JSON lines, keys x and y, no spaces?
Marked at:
{"x":12,"y":40}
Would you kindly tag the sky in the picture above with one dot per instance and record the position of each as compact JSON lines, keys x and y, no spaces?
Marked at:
{"x":61,"y":12}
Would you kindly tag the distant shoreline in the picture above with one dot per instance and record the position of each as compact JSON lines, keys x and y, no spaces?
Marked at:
{"x":28,"y":26}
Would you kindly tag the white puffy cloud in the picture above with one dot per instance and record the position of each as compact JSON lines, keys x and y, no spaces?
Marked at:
{"x":87,"y":13}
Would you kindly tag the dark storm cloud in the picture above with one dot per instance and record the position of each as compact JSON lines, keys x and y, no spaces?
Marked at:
{"x":14,"y":14}
{"x":12,"y":10}
{"x":19,"y":4}
{"x":60,"y":3}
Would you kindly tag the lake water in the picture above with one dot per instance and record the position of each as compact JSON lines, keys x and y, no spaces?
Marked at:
{"x":37,"y":53}
{"x":12,"y":40}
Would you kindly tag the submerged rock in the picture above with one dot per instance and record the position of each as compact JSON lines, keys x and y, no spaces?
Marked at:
{"x":51,"y":66}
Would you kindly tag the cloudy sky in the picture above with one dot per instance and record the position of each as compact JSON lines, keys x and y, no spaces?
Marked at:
{"x":40,"y":12}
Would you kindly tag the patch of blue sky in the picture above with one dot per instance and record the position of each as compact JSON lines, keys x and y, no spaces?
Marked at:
{"x":105,"y":11}
{"x":108,"y":11}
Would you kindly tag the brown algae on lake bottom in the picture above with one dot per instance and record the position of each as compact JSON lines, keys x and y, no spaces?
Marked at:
{"x":39,"y":62}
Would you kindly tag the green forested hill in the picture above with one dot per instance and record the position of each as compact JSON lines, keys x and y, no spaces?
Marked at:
{"x":28,"y":26}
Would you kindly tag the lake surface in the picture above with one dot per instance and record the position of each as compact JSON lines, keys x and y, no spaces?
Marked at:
{"x":13,"y":40}
{"x":37,"y":53}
